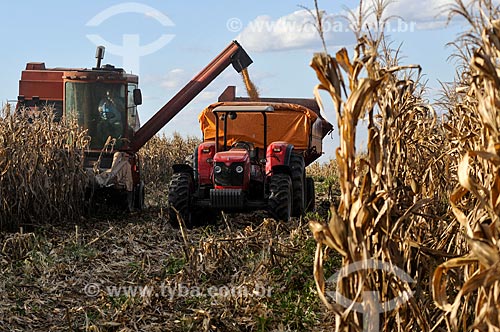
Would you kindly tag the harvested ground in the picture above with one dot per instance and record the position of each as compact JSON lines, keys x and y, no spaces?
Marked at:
{"x":138,"y":273}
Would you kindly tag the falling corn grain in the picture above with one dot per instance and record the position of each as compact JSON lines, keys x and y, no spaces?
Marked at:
{"x":252,"y":90}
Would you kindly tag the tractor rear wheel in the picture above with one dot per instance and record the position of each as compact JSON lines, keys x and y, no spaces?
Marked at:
{"x":310,"y":195}
{"x":179,"y":198}
{"x":280,"y":200}
{"x":297,"y":167}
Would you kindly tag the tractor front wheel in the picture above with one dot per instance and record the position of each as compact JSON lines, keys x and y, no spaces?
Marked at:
{"x":280,"y":199}
{"x":179,"y":199}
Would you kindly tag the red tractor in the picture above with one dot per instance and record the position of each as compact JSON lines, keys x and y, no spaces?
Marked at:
{"x":253,"y":157}
{"x":103,"y":100}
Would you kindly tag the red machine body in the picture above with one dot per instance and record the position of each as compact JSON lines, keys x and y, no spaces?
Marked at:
{"x":203,"y":159}
{"x":235,"y":161}
{"x":277,"y":153}
{"x":253,"y":156}
{"x":103,"y":100}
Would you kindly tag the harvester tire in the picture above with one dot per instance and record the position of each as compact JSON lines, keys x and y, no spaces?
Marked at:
{"x":297,"y":168}
{"x":179,"y":198}
{"x":139,"y":196}
{"x":310,"y":195}
{"x":280,"y":200}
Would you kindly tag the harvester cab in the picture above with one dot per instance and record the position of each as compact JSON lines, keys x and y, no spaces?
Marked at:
{"x":103,"y":100}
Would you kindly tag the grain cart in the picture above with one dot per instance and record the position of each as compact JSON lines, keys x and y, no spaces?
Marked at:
{"x":104,"y":100}
{"x":253,"y":157}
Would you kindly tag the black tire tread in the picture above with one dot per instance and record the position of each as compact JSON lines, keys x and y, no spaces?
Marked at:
{"x":311,"y":195}
{"x":297,"y":168}
{"x":179,"y":194}
{"x":280,"y":199}
{"x":139,"y":196}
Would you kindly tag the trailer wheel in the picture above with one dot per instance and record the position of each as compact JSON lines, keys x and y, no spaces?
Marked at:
{"x":310,"y":195}
{"x":139,"y":196}
{"x":179,"y":198}
{"x":280,"y":200}
{"x":297,"y":167}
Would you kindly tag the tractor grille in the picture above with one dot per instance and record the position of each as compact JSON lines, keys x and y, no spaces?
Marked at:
{"x":226,"y":198}
{"x":228,"y":177}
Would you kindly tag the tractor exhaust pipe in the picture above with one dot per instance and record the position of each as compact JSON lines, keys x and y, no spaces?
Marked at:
{"x":99,"y":55}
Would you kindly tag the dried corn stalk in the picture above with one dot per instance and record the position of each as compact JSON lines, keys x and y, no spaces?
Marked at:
{"x":41,"y":171}
{"x":389,"y":212}
{"x":157,"y":158}
{"x":475,"y":202}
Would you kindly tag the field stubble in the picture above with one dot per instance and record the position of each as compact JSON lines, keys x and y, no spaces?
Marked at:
{"x":109,"y":272}
{"x":139,"y":273}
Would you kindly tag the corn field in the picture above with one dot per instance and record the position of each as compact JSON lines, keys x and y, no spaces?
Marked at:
{"x":42,"y":174}
{"x":157,"y":158}
{"x":41,"y":170}
{"x":410,"y":241}
{"x":427,"y":201}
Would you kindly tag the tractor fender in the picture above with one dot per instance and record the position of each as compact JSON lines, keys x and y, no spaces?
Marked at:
{"x":203,"y":154}
{"x":182,"y":168}
{"x":278,"y":153}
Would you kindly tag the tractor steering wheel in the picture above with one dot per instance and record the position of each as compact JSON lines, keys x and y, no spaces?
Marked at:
{"x":242,"y":145}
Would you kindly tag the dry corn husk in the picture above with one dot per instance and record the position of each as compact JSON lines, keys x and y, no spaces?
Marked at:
{"x":475,"y":201}
{"x":389,"y":208}
{"x":41,"y":171}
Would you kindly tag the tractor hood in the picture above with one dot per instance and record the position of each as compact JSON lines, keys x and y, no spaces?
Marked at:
{"x":231,"y":156}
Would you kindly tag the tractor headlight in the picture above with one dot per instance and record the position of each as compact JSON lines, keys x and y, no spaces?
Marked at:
{"x":239,"y":169}
{"x":217,"y":169}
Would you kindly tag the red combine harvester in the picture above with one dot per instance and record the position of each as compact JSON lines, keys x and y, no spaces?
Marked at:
{"x":253,"y":157}
{"x":103,"y":100}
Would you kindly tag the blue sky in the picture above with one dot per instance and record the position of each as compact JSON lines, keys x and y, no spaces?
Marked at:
{"x":274,"y":33}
